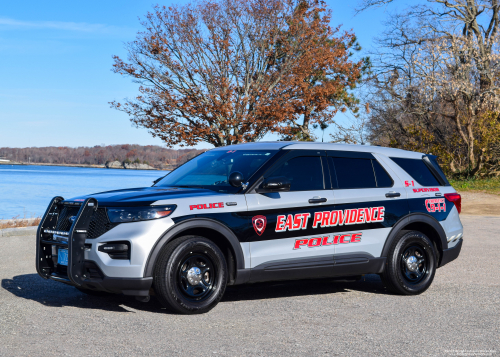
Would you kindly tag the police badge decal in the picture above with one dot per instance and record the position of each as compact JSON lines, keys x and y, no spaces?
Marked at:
{"x":259,"y":224}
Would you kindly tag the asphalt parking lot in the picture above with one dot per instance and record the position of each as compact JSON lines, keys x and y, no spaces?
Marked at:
{"x":458,"y":315}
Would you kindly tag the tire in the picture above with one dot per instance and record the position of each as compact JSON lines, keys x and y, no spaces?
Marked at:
{"x":407,"y":276}
{"x":190,"y":275}
{"x":93,"y":292}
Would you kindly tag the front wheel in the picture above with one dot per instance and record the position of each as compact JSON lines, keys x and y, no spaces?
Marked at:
{"x":190,"y":275}
{"x":411,"y":264}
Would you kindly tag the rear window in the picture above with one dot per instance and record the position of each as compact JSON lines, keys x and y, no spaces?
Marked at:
{"x":418,"y":170}
{"x":353,"y":173}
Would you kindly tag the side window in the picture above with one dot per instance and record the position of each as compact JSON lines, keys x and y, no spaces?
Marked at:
{"x":354,"y":173}
{"x":383,"y":178}
{"x":418,"y":170}
{"x":304,"y":172}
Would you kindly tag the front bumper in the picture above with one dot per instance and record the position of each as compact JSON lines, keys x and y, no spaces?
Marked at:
{"x":451,"y":254}
{"x":87,"y":266}
{"x":126,"y":286}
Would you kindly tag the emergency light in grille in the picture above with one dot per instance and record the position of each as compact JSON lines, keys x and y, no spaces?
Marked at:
{"x":99,"y":224}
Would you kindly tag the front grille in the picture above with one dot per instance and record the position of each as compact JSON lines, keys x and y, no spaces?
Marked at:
{"x":63,"y":222}
{"x":99,"y":224}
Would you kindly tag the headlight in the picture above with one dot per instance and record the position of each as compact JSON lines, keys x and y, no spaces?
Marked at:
{"x":134,"y":214}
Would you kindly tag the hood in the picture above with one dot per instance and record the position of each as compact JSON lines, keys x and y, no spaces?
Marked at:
{"x":142,"y":196}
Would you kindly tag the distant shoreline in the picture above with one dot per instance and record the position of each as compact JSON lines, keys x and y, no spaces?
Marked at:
{"x":74,"y":165}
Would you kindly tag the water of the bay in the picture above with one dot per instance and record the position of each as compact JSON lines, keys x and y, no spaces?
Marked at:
{"x":27,"y":190}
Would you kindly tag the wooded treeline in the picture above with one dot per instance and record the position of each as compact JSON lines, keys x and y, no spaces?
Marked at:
{"x":156,"y":156}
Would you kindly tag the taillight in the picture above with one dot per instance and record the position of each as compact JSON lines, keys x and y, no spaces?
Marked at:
{"x":456,"y":199}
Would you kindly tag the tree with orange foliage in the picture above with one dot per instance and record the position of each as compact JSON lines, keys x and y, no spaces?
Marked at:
{"x":231,"y":71}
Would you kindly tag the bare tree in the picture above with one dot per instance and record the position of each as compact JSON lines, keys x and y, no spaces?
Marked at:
{"x":355,"y":130}
{"x":436,"y":83}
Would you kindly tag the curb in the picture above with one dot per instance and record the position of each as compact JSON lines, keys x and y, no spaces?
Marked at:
{"x":18,"y":232}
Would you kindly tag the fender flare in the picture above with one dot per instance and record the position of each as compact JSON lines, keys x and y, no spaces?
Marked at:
{"x":414,"y":218}
{"x":190,"y":224}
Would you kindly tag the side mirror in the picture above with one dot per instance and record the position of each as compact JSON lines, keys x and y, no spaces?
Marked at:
{"x":236,"y":179}
{"x":274,"y":184}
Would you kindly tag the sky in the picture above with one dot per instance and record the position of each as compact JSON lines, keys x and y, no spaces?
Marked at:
{"x":55,"y":69}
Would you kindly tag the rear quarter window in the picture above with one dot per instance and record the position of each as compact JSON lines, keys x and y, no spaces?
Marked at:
{"x":418,"y":170}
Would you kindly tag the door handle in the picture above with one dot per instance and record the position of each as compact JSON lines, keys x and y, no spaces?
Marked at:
{"x":392,"y":194}
{"x":317,"y":200}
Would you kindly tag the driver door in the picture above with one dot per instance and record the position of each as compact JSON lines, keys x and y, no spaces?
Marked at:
{"x":284,"y":241}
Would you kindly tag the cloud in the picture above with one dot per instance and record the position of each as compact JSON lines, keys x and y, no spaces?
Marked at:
{"x":59,"y":25}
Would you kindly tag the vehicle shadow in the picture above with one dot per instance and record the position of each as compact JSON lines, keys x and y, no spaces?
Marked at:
{"x":54,"y":294}
{"x":283,"y":289}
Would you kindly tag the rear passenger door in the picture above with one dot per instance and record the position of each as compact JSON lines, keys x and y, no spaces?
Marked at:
{"x":369,"y":199}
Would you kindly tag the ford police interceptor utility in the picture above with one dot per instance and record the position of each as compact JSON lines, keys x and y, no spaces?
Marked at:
{"x":258,"y":212}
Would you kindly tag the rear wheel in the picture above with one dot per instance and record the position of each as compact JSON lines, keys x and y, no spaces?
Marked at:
{"x":190,"y":275}
{"x":411,"y":264}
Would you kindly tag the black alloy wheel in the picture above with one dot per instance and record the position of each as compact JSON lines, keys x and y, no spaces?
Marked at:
{"x":414,"y":263}
{"x":190,"y":275}
{"x":411,"y":264}
{"x":197,"y":276}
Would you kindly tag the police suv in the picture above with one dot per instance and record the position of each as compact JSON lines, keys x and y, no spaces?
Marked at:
{"x":258,"y":212}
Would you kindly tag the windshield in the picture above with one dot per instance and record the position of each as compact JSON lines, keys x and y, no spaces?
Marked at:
{"x":211,"y":169}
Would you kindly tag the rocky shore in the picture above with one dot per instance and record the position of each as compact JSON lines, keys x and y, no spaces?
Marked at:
{"x":130,"y":166}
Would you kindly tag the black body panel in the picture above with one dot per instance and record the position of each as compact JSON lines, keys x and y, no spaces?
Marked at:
{"x":351,"y":264}
{"x":417,"y":205}
{"x":291,"y":269}
{"x":98,"y":281}
{"x":240,"y":223}
{"x":451,"y":254}
{"x":143,"y":196}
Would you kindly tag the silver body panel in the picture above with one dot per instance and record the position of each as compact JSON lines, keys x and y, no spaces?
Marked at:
{"x":279,"y":249}
{"x":453,"y":228}
{"x":142,"y":237}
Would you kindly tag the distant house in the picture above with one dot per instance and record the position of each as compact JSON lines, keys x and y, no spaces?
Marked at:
{"x":2,"y":159}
